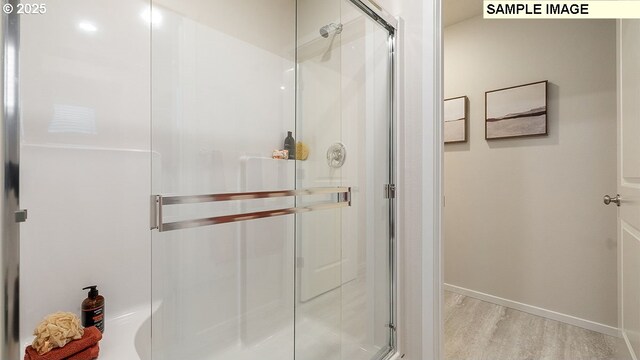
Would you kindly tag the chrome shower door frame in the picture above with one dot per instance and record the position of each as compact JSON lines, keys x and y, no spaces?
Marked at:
{"x":391,"y":24}
{"x":10,"y":214}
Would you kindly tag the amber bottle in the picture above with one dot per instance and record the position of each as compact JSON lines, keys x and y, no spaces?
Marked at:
{"x":290,"y":145}
{"x":93,"y":309}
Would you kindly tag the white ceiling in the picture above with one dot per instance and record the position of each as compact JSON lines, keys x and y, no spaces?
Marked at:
{"x":455,"y":11}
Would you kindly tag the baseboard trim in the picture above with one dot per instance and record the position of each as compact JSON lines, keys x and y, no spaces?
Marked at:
{"x":534,"y":310}
{"x":629,"y":348}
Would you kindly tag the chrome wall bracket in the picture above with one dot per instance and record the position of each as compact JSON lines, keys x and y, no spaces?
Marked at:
{"x":156,"y":211}
{"x":158,"y":202}
{"x":390,"y":191}
{"x":21,"y":216}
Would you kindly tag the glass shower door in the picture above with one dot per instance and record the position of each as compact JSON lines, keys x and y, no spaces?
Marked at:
{"x":344,"y":114}
{"x":223,"y":98}
{"x":262,"y":258}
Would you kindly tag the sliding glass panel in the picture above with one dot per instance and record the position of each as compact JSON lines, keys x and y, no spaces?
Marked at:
{"x":343,"y":307}
{"x":223,"y":99}
{"x":319,"y":235}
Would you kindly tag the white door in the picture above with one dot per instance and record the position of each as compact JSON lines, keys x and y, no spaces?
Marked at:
{"x":629,"y":180}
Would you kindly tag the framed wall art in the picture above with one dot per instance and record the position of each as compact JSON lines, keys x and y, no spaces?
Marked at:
{"x":455,"y":120}
{"x":516,"y":111}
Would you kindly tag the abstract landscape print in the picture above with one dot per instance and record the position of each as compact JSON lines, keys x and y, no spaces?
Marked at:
{"x":455,"y":120}
{"x":516,"y":111}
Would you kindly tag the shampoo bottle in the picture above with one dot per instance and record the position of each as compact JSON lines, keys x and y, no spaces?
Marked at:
{"x":93,"y":309}
{"x":290,"y":145}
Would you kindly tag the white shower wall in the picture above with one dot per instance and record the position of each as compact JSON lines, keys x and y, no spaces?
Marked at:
{"x":86,"y":164}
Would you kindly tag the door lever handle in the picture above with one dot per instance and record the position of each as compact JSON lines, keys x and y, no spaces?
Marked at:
{"x":608,"y":200}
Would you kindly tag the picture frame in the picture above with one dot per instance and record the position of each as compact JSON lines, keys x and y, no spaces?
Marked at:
{"x":516,"y":111}
{"x":456,"y":116}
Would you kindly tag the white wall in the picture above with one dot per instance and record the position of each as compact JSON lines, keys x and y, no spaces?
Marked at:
{"x":524,"y":217}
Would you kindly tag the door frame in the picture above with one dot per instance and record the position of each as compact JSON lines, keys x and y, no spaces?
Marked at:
{"x":433,"y":193}
{"x":420,"y":194}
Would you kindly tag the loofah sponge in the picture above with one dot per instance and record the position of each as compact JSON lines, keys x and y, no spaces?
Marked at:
{"x":302,"y":151}
{"x":56,"y":330}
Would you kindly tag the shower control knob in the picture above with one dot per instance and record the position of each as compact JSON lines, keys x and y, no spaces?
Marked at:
{"x":608,"y":200}
{"x":336,"y":155}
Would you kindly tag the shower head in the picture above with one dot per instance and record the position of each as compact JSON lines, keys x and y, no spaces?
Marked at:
{"x":326,"y":30}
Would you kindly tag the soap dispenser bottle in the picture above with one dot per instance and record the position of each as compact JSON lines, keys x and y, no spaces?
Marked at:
{"x":93,"y":309}
{"x":290,"y":145}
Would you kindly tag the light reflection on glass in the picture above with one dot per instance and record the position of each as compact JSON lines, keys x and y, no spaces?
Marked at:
{"x":11,"y":80}
{"x":87,"y":27}
{"x":152,"y":16}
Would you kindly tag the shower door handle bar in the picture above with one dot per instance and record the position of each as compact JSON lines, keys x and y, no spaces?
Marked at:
{"x":194,"y":199}
{"x":186,"y":224}
{"x":158,"y":202}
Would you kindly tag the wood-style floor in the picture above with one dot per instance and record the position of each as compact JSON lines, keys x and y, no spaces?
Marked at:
{"x":478,"y":330}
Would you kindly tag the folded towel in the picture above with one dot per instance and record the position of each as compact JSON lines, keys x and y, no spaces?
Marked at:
{"x":90,"y":338}
{"x":87,"y":354}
